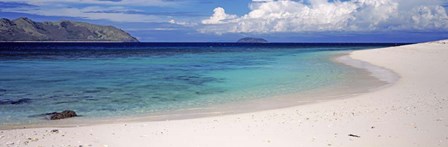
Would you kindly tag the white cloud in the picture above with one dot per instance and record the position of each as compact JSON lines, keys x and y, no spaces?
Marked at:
{"x":267,"y":16}
{"x":119,"y":11}
{"x":101,"y":2}
{"x":218,"y":17}
{"x":93,"y":13}
{"x":112,"y":10}
{"x":182,"y":23}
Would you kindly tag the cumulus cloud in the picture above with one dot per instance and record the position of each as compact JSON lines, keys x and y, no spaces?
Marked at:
{"x":219,"y":16}
{"x":267,"y":16}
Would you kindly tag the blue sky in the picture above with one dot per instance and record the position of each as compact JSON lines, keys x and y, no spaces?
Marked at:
{"x":229,"y":20}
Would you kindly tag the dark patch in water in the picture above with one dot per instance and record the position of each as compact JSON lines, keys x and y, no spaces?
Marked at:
{"x":209,"y":91}
{"x":193,"y":80}
{"x":163,"y":99}
{"x":202,"y":81}
{"x":168,"y":100}
{"x":86,"y":97}
{"x":51,"y":81}
{"x":107,"y":109}
{"x":2,"y":92}
{"x":53,"y":97}
{"x":66,"y":102}
{"x":15,"y":102}
{"x":10,"y":79}
{"x":92,"y":91}
{"x":69,"y":95}
{"x":91,"y":99}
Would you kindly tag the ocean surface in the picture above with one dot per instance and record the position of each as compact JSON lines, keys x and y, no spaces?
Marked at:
{"x":100,"y":80}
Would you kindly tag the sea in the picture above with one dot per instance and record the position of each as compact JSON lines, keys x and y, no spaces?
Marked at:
{"x":113,"y":80}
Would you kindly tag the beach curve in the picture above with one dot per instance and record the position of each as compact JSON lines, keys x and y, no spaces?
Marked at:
{"x":410,"y":112}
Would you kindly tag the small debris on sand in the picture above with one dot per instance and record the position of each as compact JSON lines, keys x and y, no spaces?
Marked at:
{"x":9,"y":143}
{"x":32,"y":140}
{"x":353,"y":135}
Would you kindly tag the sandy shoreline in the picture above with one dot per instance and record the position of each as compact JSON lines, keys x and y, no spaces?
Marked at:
{"x":412,"y":112}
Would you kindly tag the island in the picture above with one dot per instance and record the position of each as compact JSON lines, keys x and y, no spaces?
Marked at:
{"x":25,"y":29}
{"x":252,"y":40}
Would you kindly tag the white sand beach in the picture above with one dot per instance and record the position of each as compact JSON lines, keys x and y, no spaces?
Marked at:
{"x":411,"y":112}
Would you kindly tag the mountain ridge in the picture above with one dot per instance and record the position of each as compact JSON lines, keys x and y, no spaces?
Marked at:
{"x":27,"y":30}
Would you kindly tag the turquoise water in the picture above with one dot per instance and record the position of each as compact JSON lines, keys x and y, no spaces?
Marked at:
{"x":109,"y":83}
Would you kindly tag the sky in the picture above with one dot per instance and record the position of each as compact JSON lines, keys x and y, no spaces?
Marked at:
{"x":230,"y":20}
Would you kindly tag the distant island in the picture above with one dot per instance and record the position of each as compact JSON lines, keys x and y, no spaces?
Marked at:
{"x":25,"y":29}
{"x":252,"y":40}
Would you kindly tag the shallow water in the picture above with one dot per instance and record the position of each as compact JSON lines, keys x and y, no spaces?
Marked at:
{"x":98,"y":81}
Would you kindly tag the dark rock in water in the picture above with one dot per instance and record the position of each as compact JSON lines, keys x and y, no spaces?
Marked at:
{"x":62,"y":115}
{"x":252,"y":40}
{"x":15,"y":102}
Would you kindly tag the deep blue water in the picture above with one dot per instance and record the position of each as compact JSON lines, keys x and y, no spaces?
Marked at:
{"x":104,"y":79}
